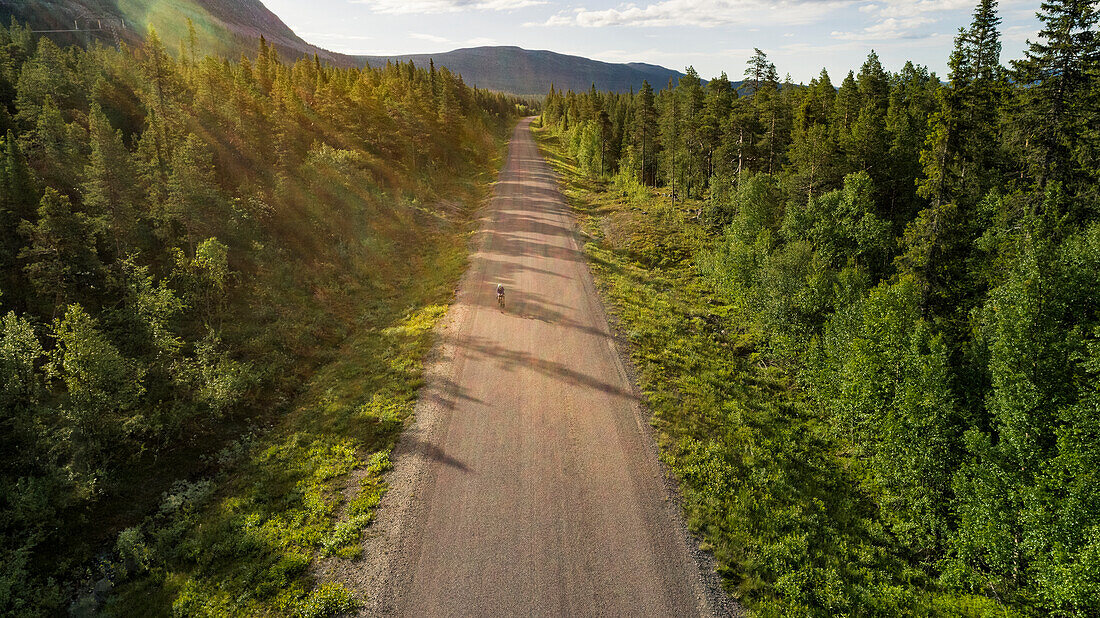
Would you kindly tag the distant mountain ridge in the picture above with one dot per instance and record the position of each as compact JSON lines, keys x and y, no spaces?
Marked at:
{"x":231,"y":28}
{"x":531,"y":72}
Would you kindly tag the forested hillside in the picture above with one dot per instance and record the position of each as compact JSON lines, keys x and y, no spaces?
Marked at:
{"x":229,"y":28}
{"x":184,"y":240}
{"x":867,"y":318}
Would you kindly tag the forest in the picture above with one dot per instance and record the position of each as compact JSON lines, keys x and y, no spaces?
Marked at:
{"x":866,"y":316}
{"x":184,"y":241}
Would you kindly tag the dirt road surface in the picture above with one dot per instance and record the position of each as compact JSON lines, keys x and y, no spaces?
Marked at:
{"x":530,"y":485}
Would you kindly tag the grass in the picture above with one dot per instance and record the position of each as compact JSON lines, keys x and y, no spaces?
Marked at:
{"x":762,"y":487}
{"x":243,"y":540}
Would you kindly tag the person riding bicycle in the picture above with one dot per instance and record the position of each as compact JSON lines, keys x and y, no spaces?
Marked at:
{"x":500,"y":293}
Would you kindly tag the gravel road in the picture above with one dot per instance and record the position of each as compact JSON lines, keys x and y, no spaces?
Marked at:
{"x":529,"y":484}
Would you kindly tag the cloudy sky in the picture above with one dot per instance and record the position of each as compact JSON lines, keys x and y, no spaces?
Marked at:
{"x":799,"y":36}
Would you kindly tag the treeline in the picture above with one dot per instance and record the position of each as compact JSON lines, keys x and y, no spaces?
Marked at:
{"x":182,"y":240}
{"x":923,"y":257}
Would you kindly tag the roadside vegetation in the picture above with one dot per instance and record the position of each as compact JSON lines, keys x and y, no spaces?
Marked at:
{"x":217,"y":283}
{"x":866,"y":318}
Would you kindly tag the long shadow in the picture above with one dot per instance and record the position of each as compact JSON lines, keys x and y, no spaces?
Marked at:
{"x":509,"y":360}
{"x":532,"y":225}
{"x":446,"y":391}
{"x":547,"y":179}
{"x":494,"y":267}
{"x":508,"y":243}
{"x":528,"y":191}
{"x":431,"y":452}
{"x":535,"y":307}
{"x":534,"y":298}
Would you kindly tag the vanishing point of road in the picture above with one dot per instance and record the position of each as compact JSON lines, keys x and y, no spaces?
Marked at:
{"x":530,"y":484}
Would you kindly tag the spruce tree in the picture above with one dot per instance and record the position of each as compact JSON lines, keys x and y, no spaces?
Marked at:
{"x":960,"y":158}
{"x":846,"y":110}
{"x":110,"y":180}
{"x":17,"y":204}
{"x":60,"y":254}
{"x":1060,"y":99}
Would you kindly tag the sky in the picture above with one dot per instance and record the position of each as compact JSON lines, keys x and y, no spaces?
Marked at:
{"x":799,"y":36}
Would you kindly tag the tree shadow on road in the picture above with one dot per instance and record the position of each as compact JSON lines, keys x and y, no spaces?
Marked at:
{"x":431,"y":452}
{"x":510,"y":360}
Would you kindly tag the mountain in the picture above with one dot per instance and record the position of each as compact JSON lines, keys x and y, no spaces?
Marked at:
{"x":222,"y":27}
{"x":231,"y":28}
{"x":531,"y":72}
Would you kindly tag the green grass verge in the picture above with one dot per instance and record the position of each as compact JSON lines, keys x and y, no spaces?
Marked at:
{"x":761,"y":485}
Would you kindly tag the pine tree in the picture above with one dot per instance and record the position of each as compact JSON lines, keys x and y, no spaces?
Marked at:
{"x":759,"y":72}
{"x":192,"y":42}
{"x":670,"y":134}
{"x":164,"y":81}
{"x":646,"y":133}
{"x":194,"y":209}
{"x":55,"y":147}
{"x":912,"y":100}
{"x":719,"y":102}
{"x":19,"y":194}
{"x":603,"y":124}
{"x":813,"y":161}
{"x":693,"y":156}
{"x":980,"y":90}
{"x":817,"y":106}
{"x":47,"y":75}
{"x":874,"y":83}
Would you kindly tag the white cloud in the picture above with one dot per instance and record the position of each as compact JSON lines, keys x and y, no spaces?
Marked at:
{"x":701,"y":13}
{"x":431,"y":38}
{"x":669,"y":58}
{"x":908,"y":8}
{"x":418,"y":7}
{"x":902,"y":19}
{"x":810,"y":49}
{"x":887,"y":29}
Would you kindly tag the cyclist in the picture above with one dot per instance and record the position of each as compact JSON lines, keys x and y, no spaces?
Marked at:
{"x":500,"y":294}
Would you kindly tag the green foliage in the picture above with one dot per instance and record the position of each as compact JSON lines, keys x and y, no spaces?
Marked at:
{"x":843,"y":226}
{"x":883,"y":382}
{"x":584,"y":146}
{"x":60,"y":256}
{"x":872,"y":353}
{"x":103,"y":388}
{"x":21,"y":354}
{"x":790,"y":535}
{"x":188,"y":240}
